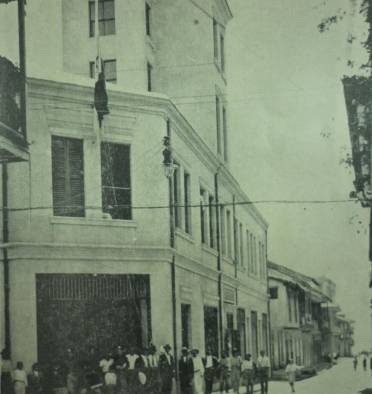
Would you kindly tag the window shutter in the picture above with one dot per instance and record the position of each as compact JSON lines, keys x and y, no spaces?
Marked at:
{"x":68,"y":176}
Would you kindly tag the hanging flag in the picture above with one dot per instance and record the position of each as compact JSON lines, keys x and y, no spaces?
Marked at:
{"x":100,"y":93}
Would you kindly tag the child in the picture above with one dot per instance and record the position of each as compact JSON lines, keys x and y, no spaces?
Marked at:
{"x":110,"y":380}
{"x":291,"y":374}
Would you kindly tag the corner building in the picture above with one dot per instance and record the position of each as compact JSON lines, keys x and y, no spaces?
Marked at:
{"x":89,"y":251}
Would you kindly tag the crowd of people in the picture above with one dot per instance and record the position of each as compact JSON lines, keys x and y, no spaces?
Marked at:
{"x":137,"y":372}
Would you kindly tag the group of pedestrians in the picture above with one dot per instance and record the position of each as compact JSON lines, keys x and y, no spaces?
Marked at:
{"x":366,"y":363}
{"x":137,"y":372}
{"x":231,"y":372}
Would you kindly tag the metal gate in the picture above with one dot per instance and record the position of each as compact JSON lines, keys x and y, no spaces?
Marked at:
{"x":85,"y":312}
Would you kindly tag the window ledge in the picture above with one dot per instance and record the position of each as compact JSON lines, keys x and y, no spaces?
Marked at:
{"x":83,"y":221}
{"x":183,"y":234}
{"x":210,"y":250}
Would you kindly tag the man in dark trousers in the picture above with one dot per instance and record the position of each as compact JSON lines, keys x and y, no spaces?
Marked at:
{"x":186,"y":371}
{"x":166,"y":370}
{"x":210,"y":368}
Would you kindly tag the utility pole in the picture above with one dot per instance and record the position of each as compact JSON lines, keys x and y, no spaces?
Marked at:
{"x":22,"y":65}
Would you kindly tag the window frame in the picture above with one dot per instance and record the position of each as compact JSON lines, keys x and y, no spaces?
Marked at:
{"x":126,"y":188}
{"x":149,"y":69}
{"x":92,"y":71}
{"x":91,"y":5}
{"x":187,"y":201}
{"x":67,"y":175}
{"x":148,"y":19}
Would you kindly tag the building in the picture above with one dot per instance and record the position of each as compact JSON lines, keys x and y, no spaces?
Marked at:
{"x":358,"y":93}
{"x":305,"y":325}
{"x":98,"y":233}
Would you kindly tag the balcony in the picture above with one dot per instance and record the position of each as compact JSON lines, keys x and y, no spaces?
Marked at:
{"x":13,"y":144}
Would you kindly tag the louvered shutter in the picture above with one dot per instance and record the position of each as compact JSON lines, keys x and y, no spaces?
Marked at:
{"x":68,"y":176}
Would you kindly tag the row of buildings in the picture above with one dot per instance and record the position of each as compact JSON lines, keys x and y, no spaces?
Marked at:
{"x":104,"y":241}
{"x":306,"y":323}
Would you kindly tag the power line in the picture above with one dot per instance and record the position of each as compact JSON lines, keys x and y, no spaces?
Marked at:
{"x":167,"y":206}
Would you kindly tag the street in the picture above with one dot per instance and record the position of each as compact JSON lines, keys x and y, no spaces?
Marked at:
{"x":340,"y":379}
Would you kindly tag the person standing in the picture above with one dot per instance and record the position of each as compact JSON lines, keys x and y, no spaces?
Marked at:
{"x":210,"y":367}
{"x":19,"y":379}
{"x":6,"y":373}
{"x":263,"y":371}
{"x":131,"y":371}
{"x":120,"y":364}
{"x":153,"y":371}
{"x":225,"y":371}
{"x":370,"y":364}
{"x":198,"y":372}
{"x":248,"y":369}
{"x":355,"y":363}
{"x":235,"y":371}
{"x":290,"y":371}
{"x":365,"y":363}
{"x":186,"y":371}
{"x":166,"y":370}
{"x":35,"y":380}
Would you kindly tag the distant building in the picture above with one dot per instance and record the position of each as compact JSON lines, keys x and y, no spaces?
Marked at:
{"x":90,"y":249}
{"x":303,"y":322}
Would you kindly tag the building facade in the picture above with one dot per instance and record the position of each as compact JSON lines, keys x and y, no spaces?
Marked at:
{"x":305,"y":323}
{"x":93,"y":238}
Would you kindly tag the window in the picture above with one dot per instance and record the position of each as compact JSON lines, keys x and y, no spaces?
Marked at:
{"x":68,"y":176}
{"x":224,"y":132}
{"x":273,"y":293}
{"x":265,"y":333}
{"x":106,"y":17}
{"x":222,"y":52}
{"x":228,"y":233}
{"x":176,"y":196}
{"x":149,"y":77}
{"x":289,"y":301}
{"x":223,"y":230}
{"x":116,"y":183}
{"x":186,"y":189}
{"x":255,"y":255}
{"x":252,"y":252}
{"x":109,"y":67}
{"x":218,"y":125}
{"x":295,"y":308}
{"x":248,"y":251}
{"x":212,"y":227}
{"x":241,"y":245}
{"x":202,"y":217}
{"x":148,"y":19}
{"x":215,"y":38}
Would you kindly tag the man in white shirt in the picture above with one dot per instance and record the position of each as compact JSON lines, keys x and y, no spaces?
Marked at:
{"x":263,"y":371}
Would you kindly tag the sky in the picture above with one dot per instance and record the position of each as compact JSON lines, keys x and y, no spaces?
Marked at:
{"x":288,"y":134}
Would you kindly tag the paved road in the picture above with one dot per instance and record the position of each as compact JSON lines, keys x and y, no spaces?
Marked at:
{"x":341,"y":379}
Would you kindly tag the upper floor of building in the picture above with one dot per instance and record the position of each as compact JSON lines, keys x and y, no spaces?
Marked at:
{"x":106,"y":187}
{"x":295,"y":299}
{"x":173,"y":47}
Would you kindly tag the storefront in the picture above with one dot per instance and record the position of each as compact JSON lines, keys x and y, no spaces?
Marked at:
{"x":91,"y":312}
